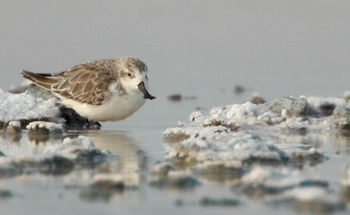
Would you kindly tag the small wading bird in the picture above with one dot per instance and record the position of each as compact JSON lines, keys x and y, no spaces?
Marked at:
{"x":102,"y":90}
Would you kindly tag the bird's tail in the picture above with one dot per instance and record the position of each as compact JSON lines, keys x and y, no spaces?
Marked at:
{"x":42,"y":80}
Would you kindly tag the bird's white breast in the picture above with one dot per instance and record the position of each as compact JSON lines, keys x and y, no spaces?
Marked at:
{"x":115,"y":109}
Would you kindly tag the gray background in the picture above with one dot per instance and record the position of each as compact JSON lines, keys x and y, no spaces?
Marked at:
{"x":276,"y":48}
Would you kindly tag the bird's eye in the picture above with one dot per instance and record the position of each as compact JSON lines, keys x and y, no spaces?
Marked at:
{"x":129,"y":74}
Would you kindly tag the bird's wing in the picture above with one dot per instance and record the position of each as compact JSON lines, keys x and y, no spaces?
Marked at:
{"x":85,"y":83}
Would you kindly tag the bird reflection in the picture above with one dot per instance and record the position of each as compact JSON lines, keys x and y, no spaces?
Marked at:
{"x":114,"y":177}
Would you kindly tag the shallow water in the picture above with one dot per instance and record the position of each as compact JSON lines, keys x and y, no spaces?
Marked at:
{"x":200,"y":49}
{"x":138,"y":146}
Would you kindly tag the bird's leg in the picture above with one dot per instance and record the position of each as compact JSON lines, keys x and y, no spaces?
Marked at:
{"x":98,"y":125}
{"x":87,"y":124}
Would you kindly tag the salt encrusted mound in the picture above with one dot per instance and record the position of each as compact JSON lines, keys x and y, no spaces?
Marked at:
{"x":342,"y":116}
{"x":41,"y":132}
{"x":14,"y":128}
{"x":346,"y":96}
{"x":289,"y":107}
{"x":246,"y":145}
{"x":81,"y":150}
{"x":288,"y":186}
{"x":284,"y":113}
{"x":37,"y":104}
{"x":44,"y":128}
{"x":325,"y":105}
{"x":220,"y":146}
{"x":55,"y":159}
{"x":281,"y":114}
{"x":14,"y":166}
{"x":263,"y":183}
{"x":221,"y":135}
{"x":26,"y":107}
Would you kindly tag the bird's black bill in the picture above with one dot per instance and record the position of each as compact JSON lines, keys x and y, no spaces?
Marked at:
{"x":143,"y":89}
